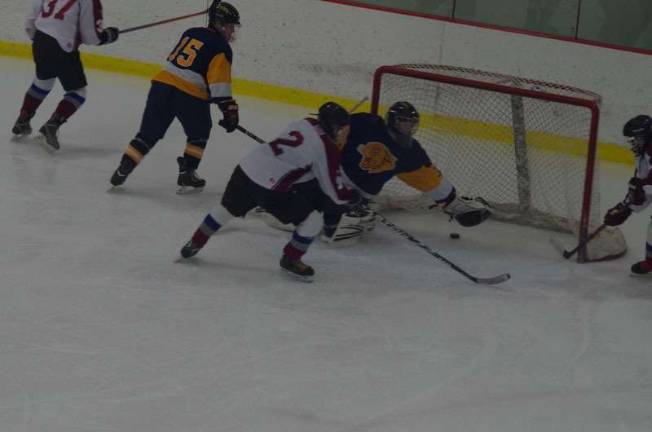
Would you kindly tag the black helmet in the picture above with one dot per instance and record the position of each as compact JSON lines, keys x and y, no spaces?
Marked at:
{"x":638,"y":131}
{"x":221,"y":13}
{"x":332,"y":117}
{"x":402,"y":122}
{"x":401,"y":110}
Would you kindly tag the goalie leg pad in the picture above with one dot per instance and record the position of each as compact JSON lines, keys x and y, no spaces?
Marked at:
{"x":350,"y":227}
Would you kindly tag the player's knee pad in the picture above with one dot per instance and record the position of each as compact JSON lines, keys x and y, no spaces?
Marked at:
{"x":350,"y":227}
{"x":467,"y":211}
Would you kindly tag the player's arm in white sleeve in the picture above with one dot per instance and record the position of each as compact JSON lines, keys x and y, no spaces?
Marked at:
{"x":90,"y":24}
{"x":35,"y":10}
{"x":326,"y":168}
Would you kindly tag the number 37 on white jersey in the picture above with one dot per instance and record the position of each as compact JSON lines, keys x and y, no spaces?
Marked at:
{"x":70,"y":22}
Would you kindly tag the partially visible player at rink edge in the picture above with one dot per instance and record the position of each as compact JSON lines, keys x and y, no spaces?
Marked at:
{"x":295,"y":178}
{"x":375,"y":152}
{"x":638,"y":134}
{"x":196,"y":75}
{"x":57,"y":28}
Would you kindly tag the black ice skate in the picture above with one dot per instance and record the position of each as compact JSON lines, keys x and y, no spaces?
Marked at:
{"x":22,"y":127}
{"x":191,"y":249}
{"x":120,"y":175}
{"x":49,"y":131}
{"x":188,"y":181}
{"x":297,"y":269}
{"x":642,"y":267}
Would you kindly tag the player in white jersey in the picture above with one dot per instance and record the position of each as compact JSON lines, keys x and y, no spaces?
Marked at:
{"x":295,"y":177}
{"x":57,"y":28}
{"x":638,"y":133}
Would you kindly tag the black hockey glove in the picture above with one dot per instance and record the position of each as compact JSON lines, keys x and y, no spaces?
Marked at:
{"x":636,"y":194}
{"x":229,"y":109}
{"x":109,"y":35}
{"x":617,"y":215}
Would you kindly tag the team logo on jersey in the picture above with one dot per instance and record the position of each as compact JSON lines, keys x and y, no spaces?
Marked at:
{"x":376,"y":158}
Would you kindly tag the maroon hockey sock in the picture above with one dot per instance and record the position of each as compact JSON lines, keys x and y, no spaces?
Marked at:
{"x":292,"y":252}
{"x":64,"y":110}
{"x":200,"y":237}
{"x":29,"y":107}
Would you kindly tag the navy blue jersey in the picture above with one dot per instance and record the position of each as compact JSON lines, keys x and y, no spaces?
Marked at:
{"x":200,"y":64}
{"x":371,"y":158}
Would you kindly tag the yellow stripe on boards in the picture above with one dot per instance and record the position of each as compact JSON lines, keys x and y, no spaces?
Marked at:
{"x":303,"y":98}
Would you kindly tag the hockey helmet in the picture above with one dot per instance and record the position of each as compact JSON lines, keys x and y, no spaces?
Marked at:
{"x":638,"y":132}
{"x":221,"y":13}
{"x":333,"y":118}
{"x":403,"y":118}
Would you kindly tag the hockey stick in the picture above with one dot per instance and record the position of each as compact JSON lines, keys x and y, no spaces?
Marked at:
{"x":165,"y":21}
{"x":262,"y":141}
{"x":358,"y":105}
{"x":569,"y":253}
{"x":488,"y":281}
{"x":250,"y":135}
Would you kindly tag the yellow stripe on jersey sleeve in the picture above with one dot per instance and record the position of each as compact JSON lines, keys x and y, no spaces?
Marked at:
{"x":218,"y":76}
{"x":423,"y":179}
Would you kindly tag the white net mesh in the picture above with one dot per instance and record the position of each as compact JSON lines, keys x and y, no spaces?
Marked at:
{"x":526,"y":154}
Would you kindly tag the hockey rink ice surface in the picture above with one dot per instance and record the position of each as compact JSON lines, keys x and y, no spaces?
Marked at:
{"x":101,"y":331}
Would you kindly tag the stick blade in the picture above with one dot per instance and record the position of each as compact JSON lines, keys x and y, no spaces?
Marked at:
{"x":493,"y":280}
{"x":559,"y":247}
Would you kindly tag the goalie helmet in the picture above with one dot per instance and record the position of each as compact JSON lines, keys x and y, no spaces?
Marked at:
{"x":221,"y":13}
{"x":403,"y":121}
{"x":333,"y":118}
{"x":638,"y":132}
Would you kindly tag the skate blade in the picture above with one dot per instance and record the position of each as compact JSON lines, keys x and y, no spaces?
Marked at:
{"x":306,"y":279}
{"x":46,"y":145}
{"x":188,"y":190}
{"x":20,"y":137}
{"x":115,"y":189}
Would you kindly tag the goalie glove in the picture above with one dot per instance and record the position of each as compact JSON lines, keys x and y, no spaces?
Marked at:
{"x":617,"y":215}
{"x":229,"y":109}
{"x":467,"y":211}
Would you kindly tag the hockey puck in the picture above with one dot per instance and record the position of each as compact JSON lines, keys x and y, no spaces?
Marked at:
{"x":454,"y":236}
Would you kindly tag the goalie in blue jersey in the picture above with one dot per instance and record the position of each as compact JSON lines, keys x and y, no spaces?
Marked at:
{"x":379,"y":149}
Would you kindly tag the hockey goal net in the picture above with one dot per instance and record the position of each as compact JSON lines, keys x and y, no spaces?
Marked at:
{"x":527,"y":147}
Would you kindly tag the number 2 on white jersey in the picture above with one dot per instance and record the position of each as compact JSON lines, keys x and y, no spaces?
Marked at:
{"x":277,"y":143}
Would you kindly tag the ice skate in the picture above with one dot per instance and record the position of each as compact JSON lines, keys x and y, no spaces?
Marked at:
{"x":49,"y":132}
{"x":188,"y":181}
{"x":297,"y":269}
{"x":22,"y":128}
{"x":194,"y":245}
{"x":122,"y":172}
{"x":191,"y":248}
{"x":642,"y":267}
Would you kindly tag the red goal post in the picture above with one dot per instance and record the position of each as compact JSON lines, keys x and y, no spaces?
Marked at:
{"x":526,"y":146}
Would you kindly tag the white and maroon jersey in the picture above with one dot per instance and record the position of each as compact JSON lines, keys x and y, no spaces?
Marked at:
{"x":70,"y":22}
{"x":644,"y":171}
{"x":301,"y":153}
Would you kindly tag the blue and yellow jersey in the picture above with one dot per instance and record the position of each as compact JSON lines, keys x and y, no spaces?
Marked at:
{"x":371,"y":158}
{"x":200,"y":65}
